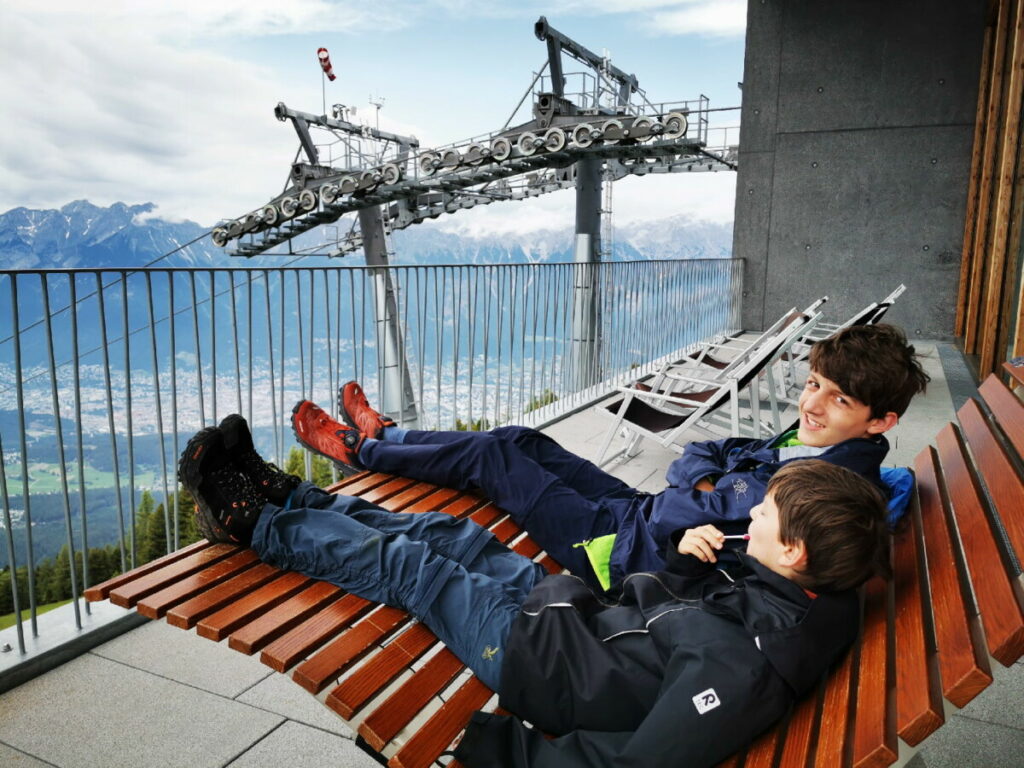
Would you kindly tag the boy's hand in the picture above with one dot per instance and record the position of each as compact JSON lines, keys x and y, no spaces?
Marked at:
{"x":701,"y":543}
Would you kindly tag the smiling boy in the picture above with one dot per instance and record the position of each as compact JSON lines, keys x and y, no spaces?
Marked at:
{"x":862,"y":380}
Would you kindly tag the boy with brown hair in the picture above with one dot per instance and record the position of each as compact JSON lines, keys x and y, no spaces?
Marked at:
{"x":685,"y":665}
{"x":861,"y":381}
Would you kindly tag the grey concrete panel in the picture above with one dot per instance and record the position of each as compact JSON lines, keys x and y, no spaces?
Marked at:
{"x":280,"y":694}
{"x":762,"y":54}
{"x":12,"y":758}
{"x":878,"y":63}
{"x":751,"y":231}
{"x":1003,"y":702}
{"x":299,"y":746}
{"x":966,"y":743}
{"x":856,"y":213}
{"x":187,"y":658}
{"x":97,"y":712}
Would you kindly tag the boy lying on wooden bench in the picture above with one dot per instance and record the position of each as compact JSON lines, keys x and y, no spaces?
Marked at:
{"x":685,"y":664}
{"x":861,"y":381}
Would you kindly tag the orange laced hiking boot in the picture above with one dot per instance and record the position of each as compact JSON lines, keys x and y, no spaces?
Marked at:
{"x":355,"y":409}
{"x":316,"y":431}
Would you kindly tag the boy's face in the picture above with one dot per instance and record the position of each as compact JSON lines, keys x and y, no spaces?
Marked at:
{"x":764,"y":544}
{"x":829,"y":416}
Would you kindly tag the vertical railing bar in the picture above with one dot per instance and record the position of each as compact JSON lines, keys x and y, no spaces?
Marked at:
{"x":172,"y":347}
{"x":456,"y":335}
{"x":249,"y":348}
{"x":11,"y":559}
{"x":213,"y":343}
{"x":110,"y":421}
{"x":421,"y":340}
{"x":44,"y":281}
{"x":76,"y":377}
{"x":234,"y":334}
{"x":358,"y":350}
{"x":169,"y":540}
{"x":129,"y":430}
{"x":301,"y":338}
{"x":402,"y":280}
{"x":498,"y":305}
{"x":282,"y":427}
{"x":471,"y":311}
{"x":439,"y":341}
{"x":312,"y":337}
{"x":25,"y":497}
{"x":270,"y":355}
{"x":331,"y":389}
{"x":199,"y":357}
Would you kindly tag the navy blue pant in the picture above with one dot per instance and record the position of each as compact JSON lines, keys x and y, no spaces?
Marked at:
{"x":560,"y":498}
{"x":451,"y":574}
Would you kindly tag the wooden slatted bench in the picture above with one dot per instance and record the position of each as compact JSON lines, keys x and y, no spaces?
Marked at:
{"x":955,"y":603}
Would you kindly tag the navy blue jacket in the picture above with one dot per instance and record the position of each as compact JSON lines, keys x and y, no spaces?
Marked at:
{"x":743,"y":467}
{"x":682,"y":669}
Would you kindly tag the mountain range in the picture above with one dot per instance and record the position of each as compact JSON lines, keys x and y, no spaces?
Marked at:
{"x":83,"y":235}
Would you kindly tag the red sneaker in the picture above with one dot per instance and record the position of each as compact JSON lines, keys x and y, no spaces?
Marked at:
{"x":318,"y":432}
{"x":356,"y":411}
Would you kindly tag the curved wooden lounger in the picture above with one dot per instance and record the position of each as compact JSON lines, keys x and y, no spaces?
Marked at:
{"x":956,"y":602}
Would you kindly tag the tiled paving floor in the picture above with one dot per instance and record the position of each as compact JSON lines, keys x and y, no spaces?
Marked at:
{"x":157,"y":696}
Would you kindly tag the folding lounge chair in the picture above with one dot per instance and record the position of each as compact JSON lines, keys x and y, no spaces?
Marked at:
{"x":664,"y":414}
{"x":744,"y":349}
{"x":870,"y":315}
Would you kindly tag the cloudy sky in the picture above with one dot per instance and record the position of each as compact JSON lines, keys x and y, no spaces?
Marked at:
{"x":172,"y":101}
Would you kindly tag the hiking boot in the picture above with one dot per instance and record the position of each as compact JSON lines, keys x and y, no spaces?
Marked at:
{"x":356,"y":411}
{"x":319,"y":433}
{"x":272,"y":482}
{"x":227,"y":502}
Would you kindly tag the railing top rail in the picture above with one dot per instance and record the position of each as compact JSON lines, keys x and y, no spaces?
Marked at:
{"x":291,"y":268}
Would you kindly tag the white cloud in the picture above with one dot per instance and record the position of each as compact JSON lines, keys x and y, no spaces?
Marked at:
{"x":710,"y":18}
{"x":150,"y":101}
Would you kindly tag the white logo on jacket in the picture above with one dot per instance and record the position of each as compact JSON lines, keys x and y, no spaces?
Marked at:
{"x":740,"y":487}
{"x":705,"y":701}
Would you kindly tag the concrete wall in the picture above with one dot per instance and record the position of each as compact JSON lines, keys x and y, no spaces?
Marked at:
{"x":855,"y":151}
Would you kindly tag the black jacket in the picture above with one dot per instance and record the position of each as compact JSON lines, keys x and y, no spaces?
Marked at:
{"x":688,"y":665}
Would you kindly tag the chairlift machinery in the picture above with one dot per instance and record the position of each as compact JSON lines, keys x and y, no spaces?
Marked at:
{"x":603,"y":131}
{"x":608,"y":123}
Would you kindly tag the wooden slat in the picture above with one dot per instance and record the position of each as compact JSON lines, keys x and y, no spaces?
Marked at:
{"x":761,"y":753}
{"x":186,"y":615}
{"x":314,"y":632}
{"x":443,"y":726}
{"x":364,"y":483}
{"x":1009,"y":139}
{"x":436,"y":501}
{"x":402,"y":706}
{"x":1016,"y":371}
{"x":975,"y":297}
{"x":103,"y":590}
{"x":963,"y":666}
{"x":800,"y":733}
{"x":387,"y":490}
{"x":1007,"y":410}
{"x":157,"y":604}
{"x":486,"y":515}
{"x":919,"y":709}
{"x":835,"y":714}
{"x":411,"y":495}
{"x":317,"y":672}
{"x":874,"y":723}
{"x":287,"y":615}
{"x":367,"y":681}
{"x":971,"y":217}
{"x":1005,"y":486}
{"x":1001,"y":615}
{"x":219,"y":625}
{"x":127,"y":595}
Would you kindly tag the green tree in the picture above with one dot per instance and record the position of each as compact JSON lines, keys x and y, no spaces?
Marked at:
{"x":539,"y":401}
{"x":185,"y":505}
{"x":296,"y":463}
{"x":475,"y":425}
{"x":153,"y":540}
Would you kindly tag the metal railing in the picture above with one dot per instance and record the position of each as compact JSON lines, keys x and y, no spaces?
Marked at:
{"x":134,"y":362}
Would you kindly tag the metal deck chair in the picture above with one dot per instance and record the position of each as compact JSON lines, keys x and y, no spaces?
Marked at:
{"x":664,"y":414}
{"x":870,"y":315}
{"x":743,"y":349}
